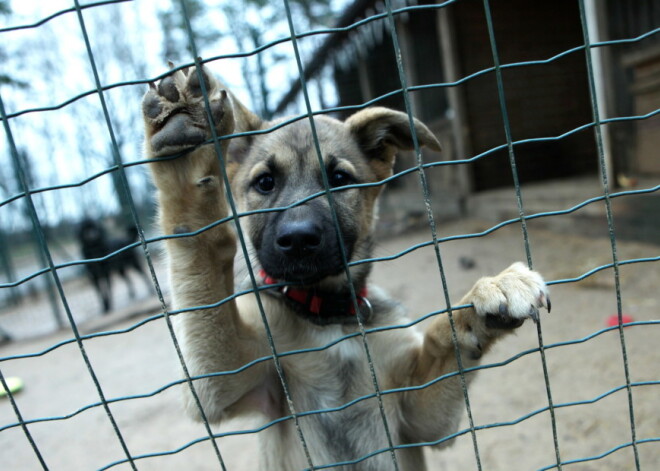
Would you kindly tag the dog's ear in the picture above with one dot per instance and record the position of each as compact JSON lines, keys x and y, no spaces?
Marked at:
{"x":380,"y":132}
{"x":239,"y":147}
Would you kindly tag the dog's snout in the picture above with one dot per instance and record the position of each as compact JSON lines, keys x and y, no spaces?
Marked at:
{"x":299,"y":238}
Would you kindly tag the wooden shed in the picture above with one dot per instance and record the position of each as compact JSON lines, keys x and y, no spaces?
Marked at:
{"x":448,"y":63}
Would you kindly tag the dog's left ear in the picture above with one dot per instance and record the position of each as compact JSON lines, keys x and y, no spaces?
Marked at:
{"x":380,"y":132}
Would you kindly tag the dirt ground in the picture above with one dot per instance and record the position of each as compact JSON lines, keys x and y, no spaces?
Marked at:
{"x":142,"y":361}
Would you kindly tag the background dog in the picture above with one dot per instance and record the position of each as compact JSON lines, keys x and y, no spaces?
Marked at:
{"x":308,"y":223}
{"x":95,"y":243}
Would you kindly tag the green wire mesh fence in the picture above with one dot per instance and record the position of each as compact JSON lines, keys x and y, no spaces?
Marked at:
{"x":121,"y":163}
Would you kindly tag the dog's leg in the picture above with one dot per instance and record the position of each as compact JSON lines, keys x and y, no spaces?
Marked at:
{"x":100,"y":285}
{"x":191,"y":197}
{"x":501,"y":304}
{"x":106,"y":286}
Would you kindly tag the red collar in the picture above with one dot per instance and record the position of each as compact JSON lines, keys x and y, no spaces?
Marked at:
{"x":321,"y":307}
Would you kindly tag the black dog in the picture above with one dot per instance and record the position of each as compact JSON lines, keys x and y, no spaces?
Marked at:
{"x":95,"y":243}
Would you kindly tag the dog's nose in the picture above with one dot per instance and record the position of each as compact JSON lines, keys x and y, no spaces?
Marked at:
{"x":299,"y":238}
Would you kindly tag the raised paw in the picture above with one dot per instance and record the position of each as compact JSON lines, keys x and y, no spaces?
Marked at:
{"x":175,"y":112}
{"x":506,"y":300}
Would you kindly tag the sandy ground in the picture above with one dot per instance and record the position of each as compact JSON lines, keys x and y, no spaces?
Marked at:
{"x":142,"y":361}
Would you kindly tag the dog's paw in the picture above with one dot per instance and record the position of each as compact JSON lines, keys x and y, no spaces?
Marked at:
{"x":175,"y":113}
{"x":506,"y":300}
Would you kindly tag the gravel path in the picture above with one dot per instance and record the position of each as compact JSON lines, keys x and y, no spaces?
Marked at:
{"x":143,"y":360}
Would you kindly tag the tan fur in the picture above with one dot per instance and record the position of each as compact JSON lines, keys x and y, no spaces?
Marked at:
{"x":224,"y":338}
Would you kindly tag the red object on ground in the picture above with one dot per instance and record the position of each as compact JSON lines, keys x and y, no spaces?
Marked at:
{"x":613,"y":320}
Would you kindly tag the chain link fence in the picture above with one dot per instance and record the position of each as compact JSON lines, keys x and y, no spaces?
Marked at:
{"x":55,"y":271}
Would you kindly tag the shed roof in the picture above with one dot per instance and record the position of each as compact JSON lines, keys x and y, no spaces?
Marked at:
{"x":333,"y":41}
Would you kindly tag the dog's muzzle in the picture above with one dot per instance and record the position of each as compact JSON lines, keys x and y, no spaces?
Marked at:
{"x":298,"y":239}
{"x":300,"y":245}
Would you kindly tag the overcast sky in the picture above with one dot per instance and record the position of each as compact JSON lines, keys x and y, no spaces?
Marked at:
{"x":70,"y":144}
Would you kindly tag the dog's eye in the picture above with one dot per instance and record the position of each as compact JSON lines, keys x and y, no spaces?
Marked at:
{"x":340,"y":178}
{"x":264,"y":183}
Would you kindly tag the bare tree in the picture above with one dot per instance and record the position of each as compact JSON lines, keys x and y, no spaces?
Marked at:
{"x":250,"y":25}
{"x":118,"y":57}
{"x":5,"y":78}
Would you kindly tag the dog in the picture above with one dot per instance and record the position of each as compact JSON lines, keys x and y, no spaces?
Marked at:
{"x":309,"y":298}
{"x":95,"y":243}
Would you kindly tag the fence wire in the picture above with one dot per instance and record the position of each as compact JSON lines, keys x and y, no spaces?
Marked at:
{"x":120,"y":165}
{"x":610,"y":221}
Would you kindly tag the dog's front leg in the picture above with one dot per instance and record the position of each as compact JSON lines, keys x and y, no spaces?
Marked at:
{"x":191,"y":197}
{"x":500,"y":305}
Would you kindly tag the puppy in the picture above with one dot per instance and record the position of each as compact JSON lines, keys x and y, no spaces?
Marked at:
{"x":300,"y":237}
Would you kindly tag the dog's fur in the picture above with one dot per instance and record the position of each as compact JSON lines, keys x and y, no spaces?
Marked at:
{"x":300,"y":246}
{"x":95,"y":243}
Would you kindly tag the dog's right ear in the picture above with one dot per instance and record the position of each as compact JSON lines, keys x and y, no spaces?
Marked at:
{"x":381,"y":132}
{"x":239,"y":147}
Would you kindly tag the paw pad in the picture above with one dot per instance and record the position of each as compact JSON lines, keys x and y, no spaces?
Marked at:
{"x":175,"y":112}
{"x":167,"y":89}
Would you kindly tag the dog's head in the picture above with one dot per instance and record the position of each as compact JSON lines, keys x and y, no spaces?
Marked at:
{"x":281,"y":169}
{"x":91,"y":232}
